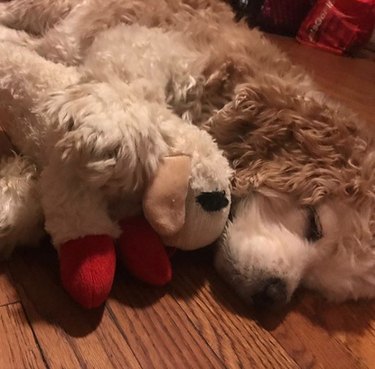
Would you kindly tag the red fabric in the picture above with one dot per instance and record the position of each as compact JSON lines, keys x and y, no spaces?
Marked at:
{"x":87,"y":268}
{"x":143,"y":252}
{"x":339,"y":26}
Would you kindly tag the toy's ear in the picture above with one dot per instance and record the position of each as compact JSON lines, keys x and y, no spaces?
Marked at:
{"x":164,"y":199}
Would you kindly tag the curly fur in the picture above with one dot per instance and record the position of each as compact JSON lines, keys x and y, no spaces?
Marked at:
{"x":292,"y":149}
{"x":98,"y":143}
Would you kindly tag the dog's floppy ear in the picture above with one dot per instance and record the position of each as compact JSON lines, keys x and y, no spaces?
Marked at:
{"x":164,"y":199}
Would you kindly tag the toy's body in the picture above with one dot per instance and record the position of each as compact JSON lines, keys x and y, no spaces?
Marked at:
{"x":100,"y":137}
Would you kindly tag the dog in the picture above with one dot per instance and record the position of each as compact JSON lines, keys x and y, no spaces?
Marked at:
{"x":304,"y":184}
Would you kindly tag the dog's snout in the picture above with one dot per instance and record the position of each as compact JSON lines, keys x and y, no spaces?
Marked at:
{"x":272,"y":294}
{"x":213,"y":201}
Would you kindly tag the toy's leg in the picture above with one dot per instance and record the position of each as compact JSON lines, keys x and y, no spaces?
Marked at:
{"x":87,"y":268}
{"x":21,"y":218}
{"x":81,"y":230}
{"x":34,"y":16}
{"x":143,"y":253}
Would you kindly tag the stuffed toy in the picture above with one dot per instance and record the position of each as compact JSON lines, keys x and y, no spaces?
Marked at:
{"x":97,"y":152}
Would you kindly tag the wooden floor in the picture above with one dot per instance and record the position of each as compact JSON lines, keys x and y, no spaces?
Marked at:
{"x":197,"y":321}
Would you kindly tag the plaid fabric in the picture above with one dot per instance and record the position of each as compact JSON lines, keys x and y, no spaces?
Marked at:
{"x":339,"y":26}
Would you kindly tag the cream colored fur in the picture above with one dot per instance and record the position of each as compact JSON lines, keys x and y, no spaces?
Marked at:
{"x":292,"y":149}
{"x":98,"y":143}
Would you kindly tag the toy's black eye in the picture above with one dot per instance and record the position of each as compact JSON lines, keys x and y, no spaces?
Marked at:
{"x":314,"y":230}
{"x":213,"y":201}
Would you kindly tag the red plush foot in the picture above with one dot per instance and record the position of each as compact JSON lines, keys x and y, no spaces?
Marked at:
{"x":143,"y":253}
{"x":87,"y":268}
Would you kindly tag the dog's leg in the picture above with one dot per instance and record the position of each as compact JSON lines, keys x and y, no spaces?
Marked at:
{"x":21,"y":218}
{"x":34,"y":16}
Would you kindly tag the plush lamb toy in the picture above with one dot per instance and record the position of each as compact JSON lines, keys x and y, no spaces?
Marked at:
{"x":97,"y":153}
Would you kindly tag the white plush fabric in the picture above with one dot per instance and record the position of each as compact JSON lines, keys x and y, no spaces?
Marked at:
{"x":98,"y":134}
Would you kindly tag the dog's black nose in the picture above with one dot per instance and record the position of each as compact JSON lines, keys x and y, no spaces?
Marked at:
{"x":272,"y":294}
{"x":213,"y":201}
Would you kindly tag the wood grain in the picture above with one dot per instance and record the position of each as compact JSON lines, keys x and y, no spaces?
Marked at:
{"x":18,"y":348}
{"x":69,"y":337}
{"x":158,"y":331}
{"x":310,"y":344}
{"x":349,"y":80}
{"x":8,"y":293}
{"x":352,"y":324}
{"x":238,"y":341}
{"x":275,"y":339}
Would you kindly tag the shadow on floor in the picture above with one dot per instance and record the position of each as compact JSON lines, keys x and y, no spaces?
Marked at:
{"x":36,"y":277}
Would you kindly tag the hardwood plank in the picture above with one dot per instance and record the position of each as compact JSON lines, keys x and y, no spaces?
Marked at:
{"x":69,"y":336}
{"x":351,"y":323}
{"x":146,"y":325}
{"x":349,"y":80}
{"x":158,"y":331}
{"x":299,"y":331}
{"x":239,"y":342}
{"x":8,"y":294}
{"x":18,"y":348}
{"x":306,"y":343}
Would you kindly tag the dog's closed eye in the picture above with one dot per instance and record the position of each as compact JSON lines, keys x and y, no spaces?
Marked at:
{"x":314,"y":230}
{"x":213,"y":201}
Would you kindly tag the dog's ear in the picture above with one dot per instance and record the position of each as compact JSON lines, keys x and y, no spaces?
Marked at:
{"x":164,"y":199}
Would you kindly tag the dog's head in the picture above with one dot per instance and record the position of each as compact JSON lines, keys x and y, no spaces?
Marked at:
{"x":273,"y":245}
{"x":304,"y":187}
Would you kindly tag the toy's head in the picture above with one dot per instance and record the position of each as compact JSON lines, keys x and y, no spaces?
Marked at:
{"x":119,"y":142}
{"x":188,"y":201}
